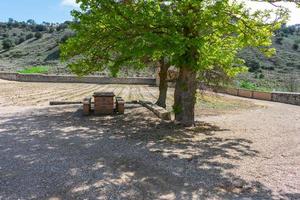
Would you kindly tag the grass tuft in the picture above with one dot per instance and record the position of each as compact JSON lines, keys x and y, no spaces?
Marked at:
{"x":34,"y":70}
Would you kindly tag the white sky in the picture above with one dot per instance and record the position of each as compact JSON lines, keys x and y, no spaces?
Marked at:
{"x":294,"y":11}
{"x":294,"y":15}
{"x":69,"y":3}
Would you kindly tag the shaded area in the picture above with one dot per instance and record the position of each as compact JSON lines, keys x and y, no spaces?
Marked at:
{"x":55,"y":152}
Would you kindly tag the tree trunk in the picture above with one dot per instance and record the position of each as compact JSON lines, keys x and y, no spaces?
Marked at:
{"x":163,"y":83}
{"x":185,"y":97}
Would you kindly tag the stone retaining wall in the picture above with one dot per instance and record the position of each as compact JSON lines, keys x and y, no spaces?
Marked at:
{"x":267,"y":96}
{"x":282,"y":97}
{"x":74,"y":79}
{"x":285,"y":97}
{"x":245,"y":93}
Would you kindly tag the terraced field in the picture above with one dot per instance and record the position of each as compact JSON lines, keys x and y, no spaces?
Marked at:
{"x":37,"y":94}
{"x":40,"y":94}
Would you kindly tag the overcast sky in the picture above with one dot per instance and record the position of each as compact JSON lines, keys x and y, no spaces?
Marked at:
{"x":59,"y":10}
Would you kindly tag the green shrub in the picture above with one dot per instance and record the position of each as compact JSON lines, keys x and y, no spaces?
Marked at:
{"x":7,"y":44}
{"x":279,"y":40}
{"x":35,"y":70}
{"x":261,"y":76}
{"x":66,"y":36}
{"x":29,"y":36}
{"x":247,"y":85}
{"x":295,"y":47}
{"x":38,"y":35}
{"x":21,"y":40}
{"x":253,"y":65}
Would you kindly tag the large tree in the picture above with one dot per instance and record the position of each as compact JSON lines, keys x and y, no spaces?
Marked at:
{"x":114,"y":34}
{"x":195,"y":36}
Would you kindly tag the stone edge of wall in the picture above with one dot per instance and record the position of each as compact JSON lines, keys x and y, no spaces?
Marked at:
{"x":158,"y":111}
{"x":74,"y":79}
{"x":282,"y":97}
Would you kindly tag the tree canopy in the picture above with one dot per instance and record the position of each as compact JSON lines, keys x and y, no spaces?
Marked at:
{"x":194,"y":35}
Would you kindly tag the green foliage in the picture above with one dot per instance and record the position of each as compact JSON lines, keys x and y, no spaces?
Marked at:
{"x":295,"y":46}
{"x":261,"y":76}
{"x":66,"y":36}
{"x":21,"y":40}
{"x":29,"y":36}
{"x":7,"y":44}
{"x":278,"y":40}
{"x":38,"y":35}
{"x":40,"y":28}
{"x":193,"y":34}
{"x":35,"y":70}
{"x":247,"y":85}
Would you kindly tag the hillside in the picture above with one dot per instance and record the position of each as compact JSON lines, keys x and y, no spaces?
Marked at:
{"x":282,"y":71}
{"x":31,"y":44}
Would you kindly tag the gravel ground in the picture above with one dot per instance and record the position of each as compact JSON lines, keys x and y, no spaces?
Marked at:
{"x":56,"y":153}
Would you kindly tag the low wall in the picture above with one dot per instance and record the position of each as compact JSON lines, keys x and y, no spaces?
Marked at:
{"x":74,"y":79}
{"x":262,"y":95}
{"x":232,"y":91}
{"x":282,"y":97}
{"x":245,"y":93}
{"x":285,"y":97}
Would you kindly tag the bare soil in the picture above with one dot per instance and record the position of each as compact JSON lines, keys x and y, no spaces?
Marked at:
{"x":239,"y":149}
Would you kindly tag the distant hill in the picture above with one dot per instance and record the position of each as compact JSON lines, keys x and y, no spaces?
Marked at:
{"x":24,"y":44}
{"x":282,"y":71}
{"x":32,"y":44}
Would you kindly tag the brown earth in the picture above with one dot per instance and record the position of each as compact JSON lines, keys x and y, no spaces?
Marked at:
{"x":239,"y":149}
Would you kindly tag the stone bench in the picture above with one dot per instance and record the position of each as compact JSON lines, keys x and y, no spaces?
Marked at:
{"x":87,"y":105}
{"x":120,"y":105}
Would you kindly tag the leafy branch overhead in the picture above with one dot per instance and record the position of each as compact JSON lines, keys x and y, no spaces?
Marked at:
{"x":113,"y":34}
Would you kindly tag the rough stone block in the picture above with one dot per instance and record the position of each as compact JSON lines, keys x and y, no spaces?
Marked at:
{"x":232,"y":91}
{"x":286,"y":97}
{"x":262,"y":95}
{"x":87,"y":106}
{"x":121,"y":107}
{"x":245,"y":93}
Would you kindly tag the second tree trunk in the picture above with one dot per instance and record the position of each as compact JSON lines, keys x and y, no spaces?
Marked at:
{"x":163,"y":83}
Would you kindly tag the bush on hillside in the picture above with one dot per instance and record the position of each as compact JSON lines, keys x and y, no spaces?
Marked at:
{"x":40,"y":28}
{"x":279,"y":40}
{"x":38,"y":35}
{"x":51,"y":30}
{"x":7,"y":44}
{"x":295,"y":46}
{"x":66,"y":36}
{"x":253,"y":65}
{"x":21,"y":40}
{"x":29,"y":36}
{"x":247,"y":85}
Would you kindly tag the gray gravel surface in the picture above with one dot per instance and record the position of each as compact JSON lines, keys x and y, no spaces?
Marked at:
{"x":56,"y":153}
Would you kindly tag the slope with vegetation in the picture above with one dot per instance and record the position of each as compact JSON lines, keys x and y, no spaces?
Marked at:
{"x":26,"y":44}
{"x":281,"y":71}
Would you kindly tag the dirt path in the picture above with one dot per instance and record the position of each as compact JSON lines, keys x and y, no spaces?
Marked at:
{"x":56,"y":153}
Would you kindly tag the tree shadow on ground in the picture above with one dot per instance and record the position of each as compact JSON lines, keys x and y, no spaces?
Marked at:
{"x":58,"y":153}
